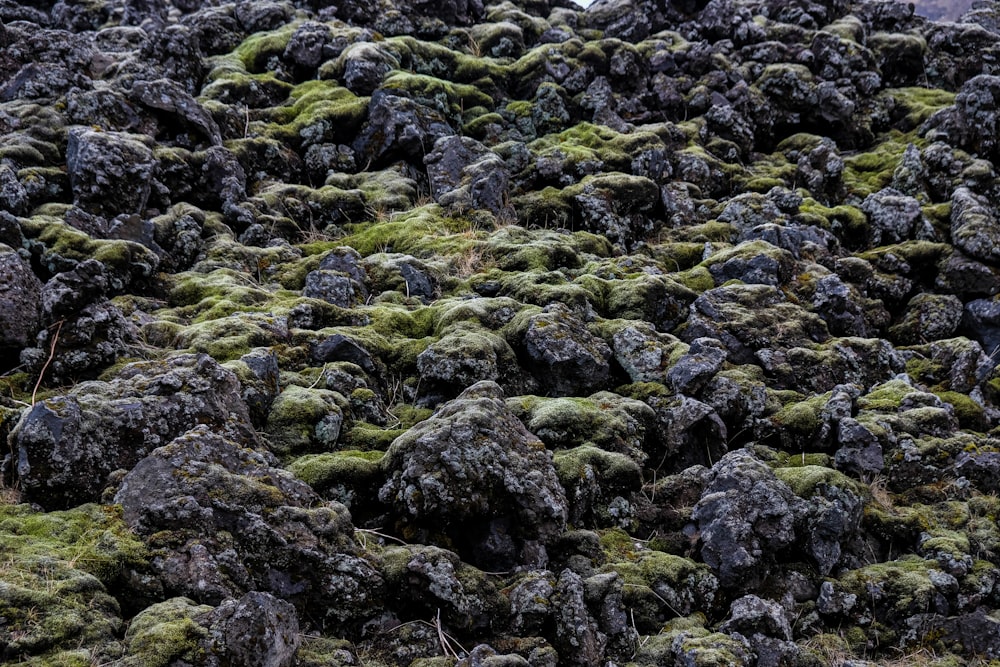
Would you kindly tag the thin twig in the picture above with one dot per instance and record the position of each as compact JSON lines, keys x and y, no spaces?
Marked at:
{"x":52,"y":354}
{"x":382,"y":535}
{"x":442,"y":637}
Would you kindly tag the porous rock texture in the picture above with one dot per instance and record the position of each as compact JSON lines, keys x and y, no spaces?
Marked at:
{"x":465,"y":333}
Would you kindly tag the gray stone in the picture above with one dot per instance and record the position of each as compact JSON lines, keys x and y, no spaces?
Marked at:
{"x":257,"y":630}
{"x":110,"y":172}
{"x":466,"y":175}
{"x":67,"y":446}
{"x":20,"y":300}
{"x":745,"y":517}
{"x":475,"y":443}
{"x":568,"y":358}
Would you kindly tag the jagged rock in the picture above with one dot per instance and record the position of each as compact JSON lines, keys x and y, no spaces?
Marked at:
{"x":892,"y":216}
{"x":466,"y":175}
{"x":463,"y":357}
{"x":258,"y":630}
{"x":751,"y":615}
{"x":110,"y":172}
{"x":66,"y":447}
{"x":514,"y":501}
{"x":399,"y":128}
{"x":697,"y":367}
{"x":308,"y":44}
{"x":20,"y":300}
{"x":269,"y":532}
{"x":430,"y":580}
{"x":928,"y":317}
{"x":569,"y":359}
{"x":578,"y":638}
{"x":168,"y":97}
{"x":330,"y":287}
{"x":13,"y":196}
{"x":745,"y":517}
{"x":748,"y":318}
{"x":974,"y":228}
{"x":644,"y":353}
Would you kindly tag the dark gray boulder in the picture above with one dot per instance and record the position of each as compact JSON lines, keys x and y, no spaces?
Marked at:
{"x":110,"y":172}
{"x":399,"y":128}
{"x":20,"y":300}
{"x":172,"y":101}
{"x":512,"y":502}
{"x":566,"y":357}
{"x":465,"y":175}
{"x":975,"y":229}
{"x":746,"y":516}
{"x":67,"y":446}
{"x":892,"y":216}
{"x":257,"y":630}
{"x":228,"y":521}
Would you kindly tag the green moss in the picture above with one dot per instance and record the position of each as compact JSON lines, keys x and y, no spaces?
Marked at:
{"x":872,"y":170}
{"x":585,"y":142}
{"x":917,"y":103}
{"x":53,"y":568}
{"x":256,"y":49}
{"x":802,"y":416}
{"x":93,"y":538}
{"x":808,"y":480}
{"x":302,"y":418}
{"x":605,"y":420}
{"x":712,"y":231}
{"x":351,"y":468}
{"x":62,"y":242}
{"x":165,"y":633}
{"x":970,"y":414}
{"x":616,"y":473}
{"x":905,"y":584}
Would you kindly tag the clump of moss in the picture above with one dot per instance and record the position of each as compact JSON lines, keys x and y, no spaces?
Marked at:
{"x":54,"y":572}
{"x":165,"y":633}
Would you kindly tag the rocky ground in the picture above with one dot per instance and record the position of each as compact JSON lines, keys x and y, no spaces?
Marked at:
{"x":441,"y":333}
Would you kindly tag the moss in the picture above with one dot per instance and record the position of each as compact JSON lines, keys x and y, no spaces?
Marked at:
{"x":256,"y":49}
{"x":918,"y":104}
{"x":302,"y":418}
{"x":230,"y":337}
{"x":970,"y":414}
{"x":615,"y":472}
{"x":63,"y":243}
{"x":802,"y":416}
{"x":165,"y":633}
{"x":53,"y":571}
{"x":92,"y":537}
{"x":905,"y":585}
{"x":429,"y":90}
{"x":698,"y":279}
{"x":586,"y":142}
{"x":708,"y":232}
{"x":872,"y":170}
{"x":605,"y":420}
{"x":808,"y":480}
{"x":349,"y":468}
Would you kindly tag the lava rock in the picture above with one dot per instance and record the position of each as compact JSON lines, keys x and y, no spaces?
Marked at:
{"x":66,"y":447}
{"x":514,"y":501}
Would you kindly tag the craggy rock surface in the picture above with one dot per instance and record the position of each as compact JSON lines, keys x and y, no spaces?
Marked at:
{"x":485,"y":334}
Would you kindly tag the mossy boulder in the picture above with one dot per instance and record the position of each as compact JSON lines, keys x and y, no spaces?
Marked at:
{"x":426,"y":579}
{"x":303,"y":419}
{"x":166,"y":632}
{"x":59,"y":570}
{"x":514,"y":493}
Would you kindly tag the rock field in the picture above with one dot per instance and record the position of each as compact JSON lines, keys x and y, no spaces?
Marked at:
{"x":450,"y":334}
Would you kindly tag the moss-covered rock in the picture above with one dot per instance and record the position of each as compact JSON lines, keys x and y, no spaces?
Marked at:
{"x":59,"y":571}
